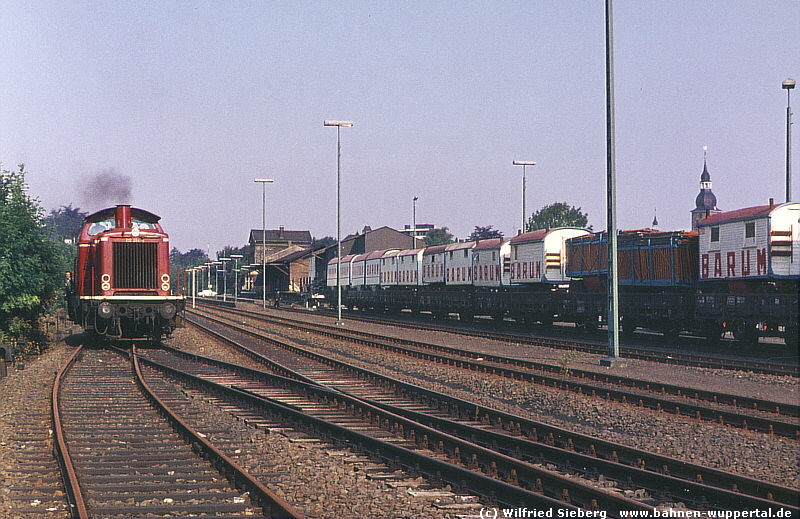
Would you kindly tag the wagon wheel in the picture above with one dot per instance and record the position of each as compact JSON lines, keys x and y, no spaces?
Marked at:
{"x":628,"y":326}
{"x":746,"y":333}
{"x":713,"y":331}
{"x":670,"y":334}
{"x":790,"y":337}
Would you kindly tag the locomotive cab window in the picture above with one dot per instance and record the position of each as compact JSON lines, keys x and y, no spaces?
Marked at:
{"x":141,"y":224}
{"x":101,"y":226}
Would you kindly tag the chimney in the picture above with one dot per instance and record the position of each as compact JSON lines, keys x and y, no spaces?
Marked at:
{"x":123,"y":216}
{"x":281,"y":234}
{"x":771,"y":201}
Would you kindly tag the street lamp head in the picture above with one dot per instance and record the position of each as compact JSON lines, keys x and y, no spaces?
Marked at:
{"x":524,"y":163}
{"x":788,"y":83}
{"x":416,"y":198}
{"x":346,"y":124}
{"x":263,"y":180}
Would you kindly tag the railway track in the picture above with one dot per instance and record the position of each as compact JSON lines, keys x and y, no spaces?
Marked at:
{"x":528,"y":442}
{"x":653,"y":354}
{"x":402,"y":443}
{"x":33,"y":486}
{"x":125,"y":454}
{"x":747,"y":413}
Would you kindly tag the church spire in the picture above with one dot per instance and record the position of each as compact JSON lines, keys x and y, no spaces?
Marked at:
{"x":705,"y":202}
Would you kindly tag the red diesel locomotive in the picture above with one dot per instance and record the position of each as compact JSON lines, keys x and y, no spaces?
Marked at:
{"x":121,"y":286}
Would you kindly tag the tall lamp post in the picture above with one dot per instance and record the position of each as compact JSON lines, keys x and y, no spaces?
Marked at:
{"x":264,"y":182}
{"x":194,"y":285}
{"x":236,"y":257}
{"x":216,"y":276}
{"x":788,"y":85}
{"x":414,"y":220}
{"x":208,"y":266}
{"x":613,"y":358}
{"x":224,"y":278}
{"x":524,"y":164}
{"x":339,"y":125}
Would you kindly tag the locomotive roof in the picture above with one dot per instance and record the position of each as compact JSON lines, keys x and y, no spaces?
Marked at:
{"x":109,"y":212}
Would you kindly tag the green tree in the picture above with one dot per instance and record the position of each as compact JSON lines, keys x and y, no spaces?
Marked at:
{"x":178,"y":261}
{"x":32,"y":267}
{"x":559,"y":214}
{"x":484,"y":233}
{"x":65,"y":223}
{"x":438,"y":237}
{"x":187,"y":260}
{"x":246,"y":251}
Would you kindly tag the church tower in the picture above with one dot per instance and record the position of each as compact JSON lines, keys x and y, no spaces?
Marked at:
{"x":706,"y":202}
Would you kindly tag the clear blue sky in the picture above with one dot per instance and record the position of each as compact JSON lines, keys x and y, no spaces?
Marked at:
{"x":192,"y":100}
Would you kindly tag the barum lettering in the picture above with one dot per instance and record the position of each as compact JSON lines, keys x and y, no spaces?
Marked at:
{"x":745,"y":262}
{"x":761,"y":262}
{"x":731,"y":264}
{"x":717,"y":265}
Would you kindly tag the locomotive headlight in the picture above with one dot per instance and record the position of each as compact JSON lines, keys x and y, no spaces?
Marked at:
{"x":105,"y":310}
{"x":167,"y":310}
{"x":165,"y":282}
{"x":106,"y":282}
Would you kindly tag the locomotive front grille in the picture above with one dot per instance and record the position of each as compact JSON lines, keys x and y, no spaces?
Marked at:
{"x":135,"y":265}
